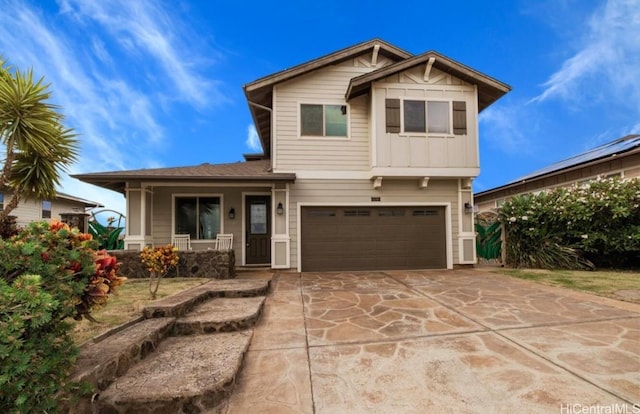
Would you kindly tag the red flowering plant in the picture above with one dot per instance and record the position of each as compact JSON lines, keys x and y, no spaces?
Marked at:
{"x":71,"y":268}
{"x":48,"y":273}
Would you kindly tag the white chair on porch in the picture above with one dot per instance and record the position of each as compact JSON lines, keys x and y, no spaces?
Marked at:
{"x":223,"y":242}
{"x":181,"y":241}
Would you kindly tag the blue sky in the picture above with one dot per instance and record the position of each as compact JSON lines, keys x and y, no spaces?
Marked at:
{"x":159,"y":83}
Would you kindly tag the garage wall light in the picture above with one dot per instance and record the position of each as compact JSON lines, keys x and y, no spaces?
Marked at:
{"x":468,"y":208}
{"x":280,"y":209}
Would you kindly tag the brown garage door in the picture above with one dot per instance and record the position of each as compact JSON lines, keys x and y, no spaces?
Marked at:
{"x":373,"y":238}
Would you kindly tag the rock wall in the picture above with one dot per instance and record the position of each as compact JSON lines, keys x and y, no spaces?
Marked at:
{"x":204,"y":263}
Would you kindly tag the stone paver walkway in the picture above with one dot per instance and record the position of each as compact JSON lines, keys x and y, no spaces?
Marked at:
{"x":463,"y":341}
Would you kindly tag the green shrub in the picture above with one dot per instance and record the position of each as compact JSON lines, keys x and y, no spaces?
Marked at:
{"x":36,"y":351}
{"x":48,"y":273}
{"x":576,"y":227}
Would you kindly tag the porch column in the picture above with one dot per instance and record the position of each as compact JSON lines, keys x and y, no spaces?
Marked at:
{"x":139,"y":232}
{"x":280,"y":240}
{"x":466,"y":225}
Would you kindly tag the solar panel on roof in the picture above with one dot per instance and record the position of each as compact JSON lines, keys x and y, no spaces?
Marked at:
{"x":618,"y":146}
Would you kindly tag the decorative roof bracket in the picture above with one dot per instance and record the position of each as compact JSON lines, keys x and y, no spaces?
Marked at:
{"x":374,"y":56}
{"x":427,"y":69}
{"x":377,"y":183}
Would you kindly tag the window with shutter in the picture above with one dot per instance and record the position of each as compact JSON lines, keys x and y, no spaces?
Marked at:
{"x":459,"y":117}
{"x":392,"y":107}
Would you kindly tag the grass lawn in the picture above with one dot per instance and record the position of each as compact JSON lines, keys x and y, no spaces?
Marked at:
{"x":128,"y":304}
{"x":603,"y":283}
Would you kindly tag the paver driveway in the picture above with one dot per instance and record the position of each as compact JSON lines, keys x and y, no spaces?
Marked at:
{"x":464,"y":341}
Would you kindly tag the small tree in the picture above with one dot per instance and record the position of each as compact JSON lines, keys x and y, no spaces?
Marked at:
{"x":37,"y":146}
{"x":158,"y":261}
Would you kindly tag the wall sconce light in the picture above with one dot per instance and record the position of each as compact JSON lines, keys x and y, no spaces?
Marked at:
{"x":232,"y":213}
{"x":280,"y":209}
{"x":468,"y":208}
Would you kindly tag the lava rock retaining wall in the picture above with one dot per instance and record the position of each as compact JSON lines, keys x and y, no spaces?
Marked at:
{"x":193,"y":263}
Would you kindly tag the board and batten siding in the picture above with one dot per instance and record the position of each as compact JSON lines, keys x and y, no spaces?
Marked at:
{"x":324,"y":86}
{"x":360,"y":192}
{"x":399,"y":150}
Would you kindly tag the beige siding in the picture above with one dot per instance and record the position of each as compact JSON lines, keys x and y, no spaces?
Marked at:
{"x":65,"y":206}
{"x":30,"y":210}
{"x":346,"y":192}
{"x":27,"y":211}
{"x":324,"y":86}
{"x":401,"y":150}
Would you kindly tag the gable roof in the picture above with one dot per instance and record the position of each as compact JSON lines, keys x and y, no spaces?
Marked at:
{"x":489,"y":89}
{"x":627,"y":145}
{"x":247,"y":171}
{"x":259,"y":93}
{"x":63,"y":196}
{"x":86,"y":203}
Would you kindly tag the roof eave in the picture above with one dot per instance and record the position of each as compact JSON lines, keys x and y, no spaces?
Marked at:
{"x":260,"y":91}
{"x":491,"y":89}
{"x":118,"y":183}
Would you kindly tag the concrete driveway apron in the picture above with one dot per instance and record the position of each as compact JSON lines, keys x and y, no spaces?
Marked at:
{"x":463,"y":341}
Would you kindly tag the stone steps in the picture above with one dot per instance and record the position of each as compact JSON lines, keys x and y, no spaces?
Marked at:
{"x":221,"y":315}
{"x":183,"y":357}
{"x":182,"y":303}
{"x":186,"y":375}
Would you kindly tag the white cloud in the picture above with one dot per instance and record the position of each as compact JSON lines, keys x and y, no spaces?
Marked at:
{"x":115,"y":68}
{"x":253,"y":141}
{"x":503,"y":128}
{"x":608,"y":56}
{"x":145,"y":28}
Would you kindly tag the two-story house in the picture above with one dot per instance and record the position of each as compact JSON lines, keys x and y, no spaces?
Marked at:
{"x":368,"y":158}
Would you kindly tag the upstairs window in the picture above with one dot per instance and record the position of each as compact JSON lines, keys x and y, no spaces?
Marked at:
{"x":323,"y":120}
{"x":1,"y":201}
{"x":431,"y":117}
{"x":198,"y":217}
{"x":46,"y":209}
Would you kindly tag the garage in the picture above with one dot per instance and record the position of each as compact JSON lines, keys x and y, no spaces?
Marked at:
{"x":373,"y":238}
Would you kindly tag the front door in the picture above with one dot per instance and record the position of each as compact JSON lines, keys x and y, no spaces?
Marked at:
{"x":258,"y":229}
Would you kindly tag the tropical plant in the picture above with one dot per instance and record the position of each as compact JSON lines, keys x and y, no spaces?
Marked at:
{"x":37,"y":145}
{"x":158,"y":261}
{"x":108,"y":236}
{"x":48,"y":274}
{"x":488,"y":241}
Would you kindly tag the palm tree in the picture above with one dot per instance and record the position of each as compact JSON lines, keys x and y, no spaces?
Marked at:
{"x":38,"y":147}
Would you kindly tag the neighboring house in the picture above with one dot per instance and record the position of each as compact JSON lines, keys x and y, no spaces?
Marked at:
{"x":617,"y":158}
{"x":30,"y":209}
{"x":369,"y":155}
